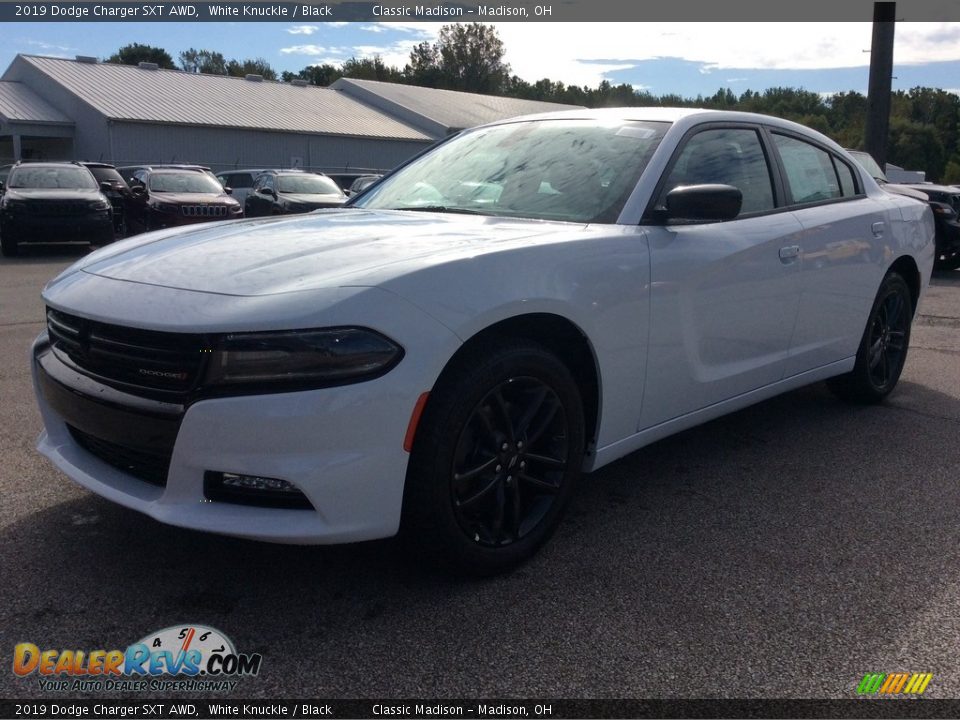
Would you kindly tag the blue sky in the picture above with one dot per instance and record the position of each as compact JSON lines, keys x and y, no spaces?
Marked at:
{"x":683,"y":58}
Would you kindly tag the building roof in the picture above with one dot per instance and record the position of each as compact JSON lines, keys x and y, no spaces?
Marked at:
{"x":131,"y":93}
{"x":435,"y":109}
{"x":18,"y":103}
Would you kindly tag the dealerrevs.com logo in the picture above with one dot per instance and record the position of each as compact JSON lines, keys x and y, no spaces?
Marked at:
{"x":182,"y":657}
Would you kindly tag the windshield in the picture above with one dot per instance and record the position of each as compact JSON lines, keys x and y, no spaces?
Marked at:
{"x":185,"y":182}
{"x":72,"y":178}
{"x":869,"y":164}
{"x":307,"y":184}
{"x":107,"y":175}
{"x":572,"y":170}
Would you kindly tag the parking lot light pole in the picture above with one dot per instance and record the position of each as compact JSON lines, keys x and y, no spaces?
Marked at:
{"x":881,"y":77}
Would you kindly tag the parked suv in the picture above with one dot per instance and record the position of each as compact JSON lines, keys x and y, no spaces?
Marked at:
{"x":944,"y":201}
{"x":167,"y":197}
{"x":116,"y":190}
{"x":285,"y":192}
{"x":52,"y":201}
{"x":240,"y":182}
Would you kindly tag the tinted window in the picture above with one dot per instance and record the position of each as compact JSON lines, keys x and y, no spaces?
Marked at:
{"x":727,"y":156}
{"x":310,"y":184}
{"x":185,"y":182}
{"x":106,"y":175}
{"x":574,"y":170}
{"x":238,"y":180}
{"x":74,"y":178}
{"x":847,"y":185}
{"x":810,"y":171}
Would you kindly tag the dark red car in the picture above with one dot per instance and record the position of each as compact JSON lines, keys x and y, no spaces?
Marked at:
{"x":168,"y":197}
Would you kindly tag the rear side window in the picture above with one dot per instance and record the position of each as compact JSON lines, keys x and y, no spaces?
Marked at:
{"x":812,"y":173}
{"x":239,"y":180}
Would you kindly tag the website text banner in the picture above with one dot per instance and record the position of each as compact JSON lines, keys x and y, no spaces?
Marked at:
{"x":446,"y":12}
{"x":513,"y":709}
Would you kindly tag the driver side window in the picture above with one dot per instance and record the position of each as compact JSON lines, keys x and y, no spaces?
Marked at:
{"x":725,"y":156}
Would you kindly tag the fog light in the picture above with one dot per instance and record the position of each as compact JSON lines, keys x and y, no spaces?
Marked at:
{"x":253,"y":490}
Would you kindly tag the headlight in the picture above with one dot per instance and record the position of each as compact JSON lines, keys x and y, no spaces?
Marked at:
{"x":99,"y":205}
{"x":308,"y":357}
{"x":14,"y":206}
{"x":166,"y":207}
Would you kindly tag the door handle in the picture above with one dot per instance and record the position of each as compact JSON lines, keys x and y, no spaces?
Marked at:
{"x":877,"y":228}
{"x":789,"y":253}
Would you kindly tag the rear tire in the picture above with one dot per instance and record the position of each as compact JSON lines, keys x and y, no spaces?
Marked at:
{"x":883,"y":348}
{"x":495,"y":459}
{"x":9,"y":246}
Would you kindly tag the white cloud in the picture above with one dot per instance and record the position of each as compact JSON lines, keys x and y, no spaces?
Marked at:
{"x":304,"y":50}
{"x":336,"y":24}
{"x":49,"y":46}
{"x":303,"y":29}
{"x":374,"y":28}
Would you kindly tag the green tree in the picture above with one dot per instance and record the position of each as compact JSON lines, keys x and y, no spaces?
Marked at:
{"x":370,"y":69}
{"x":321,"y":75}
{"x":464,"y":57}
{"x":203,"y":61}
{"x":916,"y":146}
{"x":254,"y":66}
{"x":135,"y":53}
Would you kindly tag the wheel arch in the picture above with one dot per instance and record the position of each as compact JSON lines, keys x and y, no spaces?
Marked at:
{"x":906,"y":267}
{"x":563,"y":338}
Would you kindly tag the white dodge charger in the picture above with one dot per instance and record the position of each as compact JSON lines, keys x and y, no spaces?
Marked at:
{"x":444,"y":356}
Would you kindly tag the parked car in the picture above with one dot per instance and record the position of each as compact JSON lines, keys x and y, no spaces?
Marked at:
{"x":286,"y":192}
{"x":4,"y":171}
{"x":944,"y":201}
{"x":450,"y":368}
{"x":116,"y":190}
{"x":240,"y":182}
{"x":128,"y":171}
{"x":361,"y":184}
{"x":169,"y":197}
{"x":52,"y":202}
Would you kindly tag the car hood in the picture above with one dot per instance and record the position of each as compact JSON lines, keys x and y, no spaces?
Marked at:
{"x":192,"y":198}
{"x":51,"y":194}
{"x":313,"y":199}
{"x":905,"y":190}
{"x":328,"y":248}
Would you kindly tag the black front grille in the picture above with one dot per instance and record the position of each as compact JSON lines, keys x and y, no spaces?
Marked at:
{"x":130,"y":357}
{"x":66,"y":208}
{"x":151,"y":467}
{"x":204,"y":210}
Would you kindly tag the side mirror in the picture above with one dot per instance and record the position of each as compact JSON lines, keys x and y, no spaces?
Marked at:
{"x":3,"y":186}
{"x":106,"y":187}
{"x":139,"y":191}
{"x":704,"y":202}
{"x":228,"y":190}
{"x":267,"y":191}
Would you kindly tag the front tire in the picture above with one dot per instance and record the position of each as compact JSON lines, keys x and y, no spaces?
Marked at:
{"x":8,"y":245}
{"x":883,"y":348}
{"x":495,"y":459}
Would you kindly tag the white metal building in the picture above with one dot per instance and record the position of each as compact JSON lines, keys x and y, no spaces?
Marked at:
{"x":53,"y":108}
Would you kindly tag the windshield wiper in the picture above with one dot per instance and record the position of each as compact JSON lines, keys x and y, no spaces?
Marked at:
{"x":441,"y":209}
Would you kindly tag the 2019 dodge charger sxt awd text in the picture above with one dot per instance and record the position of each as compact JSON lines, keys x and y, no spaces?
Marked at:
{"x":424,"y":362}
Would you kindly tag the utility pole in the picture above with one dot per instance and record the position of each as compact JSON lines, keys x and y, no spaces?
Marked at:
{"x":881,"y":76}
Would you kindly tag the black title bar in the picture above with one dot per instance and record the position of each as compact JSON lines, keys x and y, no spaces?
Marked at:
{"x":491,"y":709}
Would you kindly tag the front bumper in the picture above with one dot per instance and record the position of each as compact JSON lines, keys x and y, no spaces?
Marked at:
{"x":947,"y":236}
{"x":95,"y":228}
{"x":341,"y":447}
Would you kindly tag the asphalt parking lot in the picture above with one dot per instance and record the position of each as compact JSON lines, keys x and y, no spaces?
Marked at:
{"x":782,"y":551}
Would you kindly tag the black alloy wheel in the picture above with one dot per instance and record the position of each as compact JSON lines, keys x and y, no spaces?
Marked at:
{"x":883,"y":347}
{"x":495,"y":459}
{"x":510,"y":461}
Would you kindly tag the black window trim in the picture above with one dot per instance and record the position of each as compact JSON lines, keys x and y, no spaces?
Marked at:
{"x":773,"y":168}
{"x":859,"y":190}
